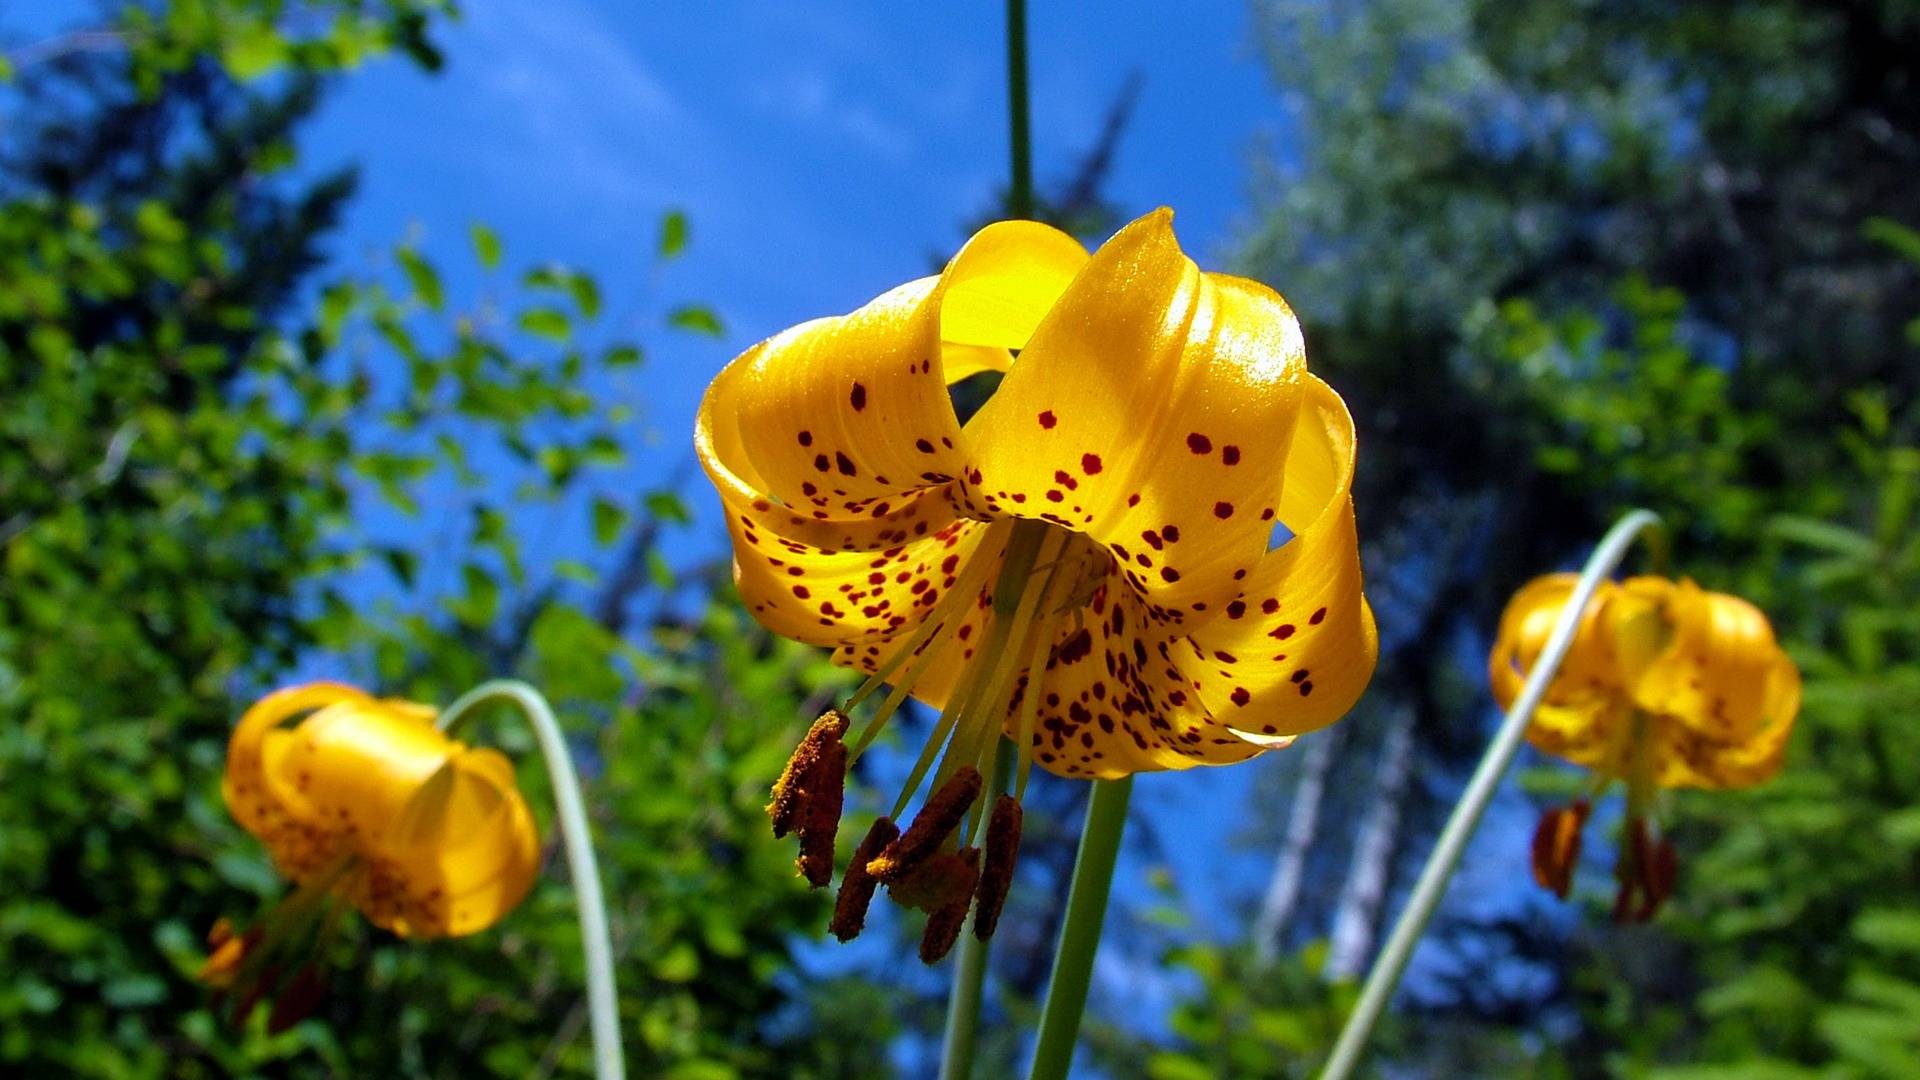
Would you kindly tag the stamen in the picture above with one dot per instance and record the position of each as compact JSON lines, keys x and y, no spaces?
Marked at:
{"x":996,"y":876}
{"x":826,"y":784}
{"x":937,"y":881}
{"x":931,"y":827}
{"x":943,"y":925}
{"x":790,"y":790}
{"x":296,"y":1000}
{"x":857,"y":885}
{"x":1556,"y":846}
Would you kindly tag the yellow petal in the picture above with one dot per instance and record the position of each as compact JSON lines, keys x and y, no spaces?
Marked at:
{"x":1152,"y":410}
{"x":353,"y":766}
{"x":1588,"y":670}
{"x":1594,"y":732}
{"x":1717,"y":674}
{"x":1004,"y":281}
{"x":461,"y":855}
{"x":1296,"y":649}
{"x":243,"y":785}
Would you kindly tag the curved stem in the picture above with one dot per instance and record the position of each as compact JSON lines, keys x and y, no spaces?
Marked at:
{"x":602,"y":1003}
{"x":1392,"y":962}
{"x":1080,"y":932}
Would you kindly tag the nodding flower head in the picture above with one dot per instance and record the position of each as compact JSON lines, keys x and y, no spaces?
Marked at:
{"x":1665,"y":686}
{"x":364,"y":804}
{"x":1138,"y":554}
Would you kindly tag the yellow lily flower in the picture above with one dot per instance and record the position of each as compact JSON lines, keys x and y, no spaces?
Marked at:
{"x":1084,"y":566}
{"x":1666,"y":686}
{"x":364,"y":802}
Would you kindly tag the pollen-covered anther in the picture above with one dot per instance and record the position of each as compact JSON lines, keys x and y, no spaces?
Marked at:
{"x":790,"y":790}
{"x":1556,"y":846}
{"x":819,"y":815}
{"x":996,"y":873}
{"x":856,"y":885}
{"x":945,"y":921}
{"x":931,"y":827}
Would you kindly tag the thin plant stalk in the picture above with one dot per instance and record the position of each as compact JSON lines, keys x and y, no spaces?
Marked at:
{"x":969,"y":977}
{"x":1080,"y":931}
{"x":1432,"y":884}
{"x":571,"y":815}
{"x":1019,"y":136}
{"x":970,"y":971}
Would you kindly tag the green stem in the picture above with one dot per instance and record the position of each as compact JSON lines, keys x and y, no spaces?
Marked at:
{"x":1080,"y":933}
{"x":1020,"y":189}
{"x":970,"y":972}
{"x":1427,"y":891}
{"x":602,"y":1002}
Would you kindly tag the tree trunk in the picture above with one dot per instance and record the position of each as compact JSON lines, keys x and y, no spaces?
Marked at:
{"x":1303,"y":819}
{"x":1357,"y":919}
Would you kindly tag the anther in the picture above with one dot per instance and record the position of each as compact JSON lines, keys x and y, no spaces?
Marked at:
{"x":996,"y":874}
{"x":944,"y":922}
{"x":856,"y":885}
{"x":1647,"y":867}
{"x":790,"y":790}
{"x":931,"y":827}
{"x":1556,"y":846}
{"x":819,"y":816}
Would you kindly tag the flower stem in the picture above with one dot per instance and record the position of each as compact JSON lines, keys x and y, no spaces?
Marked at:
{"x":1080,"y":933}
{"x":602,"y":1004}
{"x":1427,"y":891}
{"x":1020,"y":187}
{"x":970,"y":971}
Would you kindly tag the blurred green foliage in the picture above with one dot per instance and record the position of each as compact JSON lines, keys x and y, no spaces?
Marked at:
{"x":221,"y":464}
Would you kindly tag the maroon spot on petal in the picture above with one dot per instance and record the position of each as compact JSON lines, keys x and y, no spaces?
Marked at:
{"x":1090,"y":463}
{"x":807,"y":488}
{"x":1169,"y":574}
{"x":806,"y":438}
{"x":1133,"y":499}
{"x":802,"y":591}
{"x":1236,"y":609}
{"x":923,"y":446}
{"x":1306,"y":688}
{"x":1281,"y":632}
{"x":1170,"y":533}
{"x":859,"y":397}
{"x":1317,"y":617}
{"x":820,"y":462}
{"x":1269,"y":605}
{"x":1223,"y":510}
{"x":1300,"y":675}
{"x":1199,"y":443}
{"x":1047,"y":419}
{"x":1055,"y":496}
{"x":1240,"y":695}
{"x":844,"y":463}
{"x":1230,"y":455}
{"x":1153,"y":540}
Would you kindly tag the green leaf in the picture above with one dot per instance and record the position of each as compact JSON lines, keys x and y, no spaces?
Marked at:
{"x":673,"y":233}
{"x":424,"y":279}
{"x":1889,"y":928}
{"x":1894,"y":235}
{"x":608,"y":519}
{"x":547,"y":322}
{"x":668,"y":506}
{"x":695,"y":318}
{"x":486,"y":244}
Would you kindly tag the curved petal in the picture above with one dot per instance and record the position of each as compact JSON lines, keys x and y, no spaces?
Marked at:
{"x":1114,"y":701}
{"x":1717,"y":673}
{"x":1691,"y":758}
{"x":256,"y":750}
{"x":353,"y":767}
{"x":838,"y":413}
{"x":1526,"y":624}
{"x":1152,"y":410}
{"x":459,"y":857}
{"x":1594,"y":732}
{"x":1297,"y":648}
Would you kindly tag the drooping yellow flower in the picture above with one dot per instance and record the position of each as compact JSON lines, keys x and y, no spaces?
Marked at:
{"x":364,"y":802}
{"x":1665,"y":686}
{"x":1086,"y":565}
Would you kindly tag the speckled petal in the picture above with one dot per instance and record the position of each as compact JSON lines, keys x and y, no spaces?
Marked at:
{"x":1526,"y":624}
{"x":1716,"y":676}
{"x":1152,"y":410}
{"x":1297,"y":648}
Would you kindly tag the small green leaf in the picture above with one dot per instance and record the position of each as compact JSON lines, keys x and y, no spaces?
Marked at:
{"x":673,"y":233}
{"x":486,"y":245}
{"x":546,"y":322}
{"x":424,"y":279}
{"x":695,"y":318}
{"x":608,"y":519}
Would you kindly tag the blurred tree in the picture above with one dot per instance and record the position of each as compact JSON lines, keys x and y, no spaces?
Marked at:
{"x":218,"y":460}
{"x":1562,"y":258}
